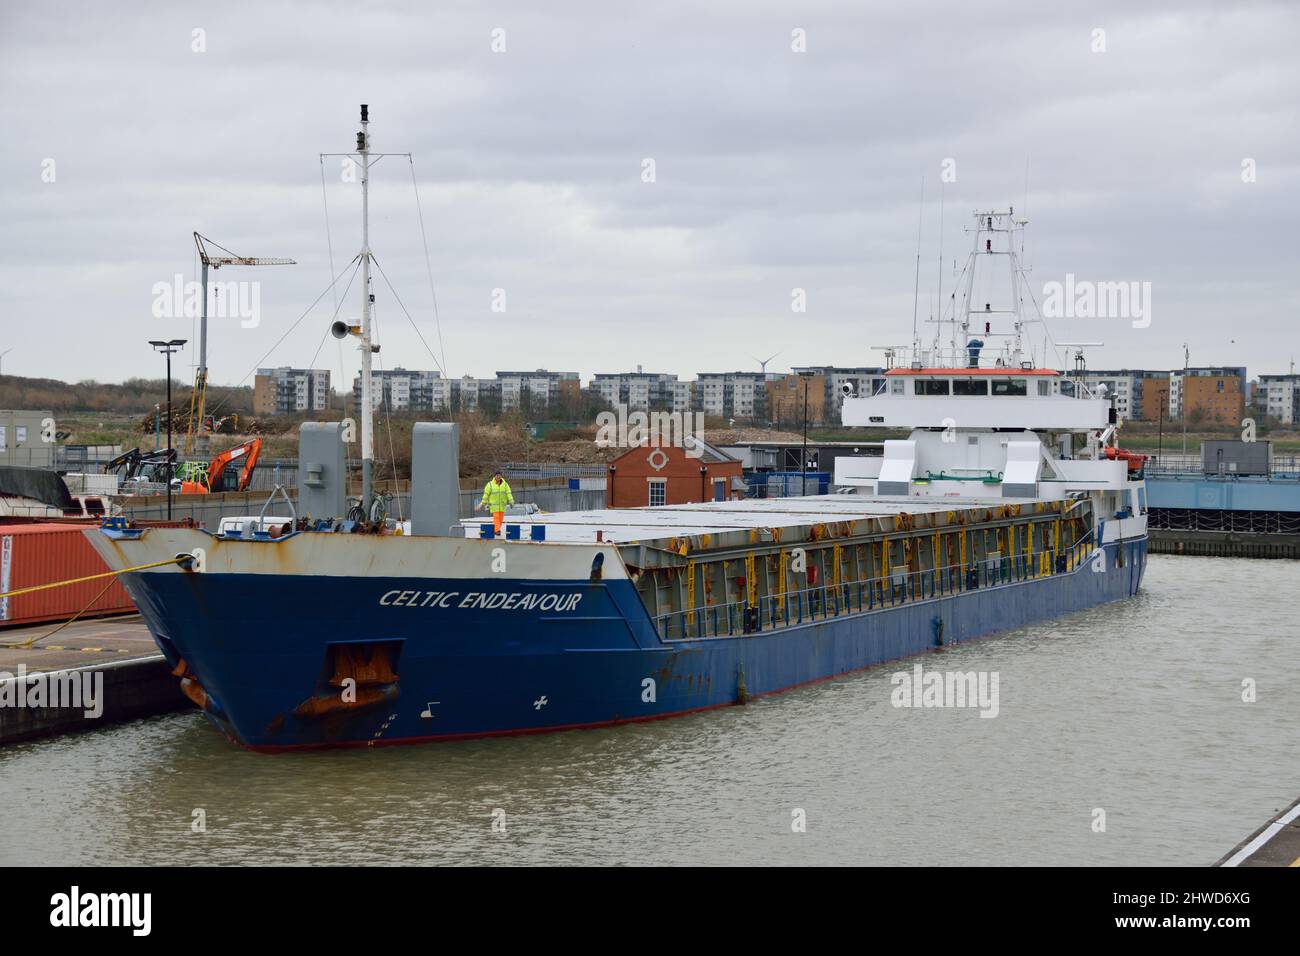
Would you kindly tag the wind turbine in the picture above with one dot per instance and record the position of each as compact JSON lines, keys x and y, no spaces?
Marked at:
{"x":762,"y":363}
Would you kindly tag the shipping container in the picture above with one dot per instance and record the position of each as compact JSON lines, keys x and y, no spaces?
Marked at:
{"x":32,"y":554}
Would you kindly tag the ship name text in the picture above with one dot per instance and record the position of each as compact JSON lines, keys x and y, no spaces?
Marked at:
{"x":482,"y":600}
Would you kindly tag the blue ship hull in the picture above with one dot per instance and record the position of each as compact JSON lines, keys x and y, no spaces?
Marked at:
{"x":511,"y":663}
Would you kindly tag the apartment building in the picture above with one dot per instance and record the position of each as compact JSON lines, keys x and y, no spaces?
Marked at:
{"x":639,"y":390}
{"x":683,"y":396}
{"x":286,"y":391}
{"x":1209,"y":394}
{"x":1122,"y":388}
{"x":1151,"y":399}
{"x":537,"y":389}
{"x":405,"y":390}
{"x":400,"y":390}
{"x":863,"y":380}
{"x":792,"y":398}
{"x":1279,"y":397}
{"x":740,"y":395}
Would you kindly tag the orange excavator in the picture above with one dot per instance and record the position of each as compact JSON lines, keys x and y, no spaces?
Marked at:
{"x":213,"y":480}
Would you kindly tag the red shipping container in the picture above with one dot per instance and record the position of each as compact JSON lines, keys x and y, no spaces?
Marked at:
{"x":32,"y":554}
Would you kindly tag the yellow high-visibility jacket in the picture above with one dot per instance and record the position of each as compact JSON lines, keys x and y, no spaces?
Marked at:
{"x":497,"y":497}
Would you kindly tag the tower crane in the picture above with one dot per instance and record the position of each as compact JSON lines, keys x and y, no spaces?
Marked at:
{"x":213,"y":260}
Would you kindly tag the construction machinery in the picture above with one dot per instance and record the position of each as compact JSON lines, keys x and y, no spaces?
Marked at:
{"x":136,"y":466}
{"x":211,"y":260}
{"x":195,"y":479}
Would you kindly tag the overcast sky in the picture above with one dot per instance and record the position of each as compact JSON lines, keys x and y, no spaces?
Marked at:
{"x":774,"y":170}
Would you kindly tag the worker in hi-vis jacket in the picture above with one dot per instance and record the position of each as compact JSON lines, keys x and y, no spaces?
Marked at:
{"x":497,"y":497}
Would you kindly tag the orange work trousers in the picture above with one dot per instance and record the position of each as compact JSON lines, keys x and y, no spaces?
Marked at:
{"x":497,"y":518}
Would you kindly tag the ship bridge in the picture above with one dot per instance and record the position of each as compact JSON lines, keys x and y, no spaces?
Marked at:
{"x":984,"y":425}
{"x":964,"y":398}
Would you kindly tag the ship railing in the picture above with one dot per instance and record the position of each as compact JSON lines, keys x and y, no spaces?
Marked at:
{"x":959,"y":359}
{"x":836,"y":599}
{"x":1192,"y":466}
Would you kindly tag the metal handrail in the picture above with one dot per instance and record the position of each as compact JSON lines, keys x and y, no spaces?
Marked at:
{"x":1281,"y":467}
{"x":824,"y":601}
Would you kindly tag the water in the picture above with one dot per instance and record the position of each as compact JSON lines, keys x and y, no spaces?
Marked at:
{"x":1133,"y":708}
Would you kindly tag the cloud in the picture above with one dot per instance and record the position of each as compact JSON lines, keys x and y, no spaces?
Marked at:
{"x":774,"y":170}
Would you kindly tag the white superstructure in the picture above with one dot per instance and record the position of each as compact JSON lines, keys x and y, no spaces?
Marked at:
{"x":986,"y":419}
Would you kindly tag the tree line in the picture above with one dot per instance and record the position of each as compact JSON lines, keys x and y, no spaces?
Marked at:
{"x":134,"y":396}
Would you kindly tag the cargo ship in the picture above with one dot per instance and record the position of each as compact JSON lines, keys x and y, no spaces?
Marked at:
{"x":1008,"y":503}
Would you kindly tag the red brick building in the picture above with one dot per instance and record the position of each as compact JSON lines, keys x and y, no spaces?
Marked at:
{"x":667,"y":475}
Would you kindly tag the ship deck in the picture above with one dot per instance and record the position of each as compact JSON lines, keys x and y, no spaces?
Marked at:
{"x":630,"y":525}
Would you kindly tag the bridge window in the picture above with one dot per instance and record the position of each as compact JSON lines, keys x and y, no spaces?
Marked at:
{"x":1044,"y":387}
{"x":931,"y":386}
{"x":1010,"y":386}
{"x":970,"y":386}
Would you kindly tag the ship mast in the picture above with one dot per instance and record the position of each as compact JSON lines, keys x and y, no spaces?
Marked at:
{"x":989,"y":225}
{"x":367,"y":301}
{"x":363,"y":331}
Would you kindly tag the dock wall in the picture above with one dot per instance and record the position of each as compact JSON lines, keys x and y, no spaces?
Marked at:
{"x":1225,"y":544}
{"x":133,"y":688}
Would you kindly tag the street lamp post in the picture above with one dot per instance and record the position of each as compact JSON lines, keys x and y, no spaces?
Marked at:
{"x":167,"y":348}
{"x":803,"y":458}
{"x":1182,"y":396}
{"x":1160,"y":437}
{"x":2,"y":358}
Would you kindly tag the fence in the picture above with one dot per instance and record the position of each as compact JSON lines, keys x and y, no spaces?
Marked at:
{"x":786,"y":484}
{"x":284,"y":471}
{"x":538,"y":471}
{"x":210,"y":509}
{"x":832,"y":599}
{"x":1207,"y":519}
{"x":35,"y":456}
{"x":275,"y":471}
{"x":547,"y":498}
{"x":1191,"y":464}
{"x":207,"y":510}
{"x":84,"y":458}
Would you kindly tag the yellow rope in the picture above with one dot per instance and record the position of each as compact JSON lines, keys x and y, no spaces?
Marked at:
{"x":31,"y":641}
{"x":94,"y":577}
